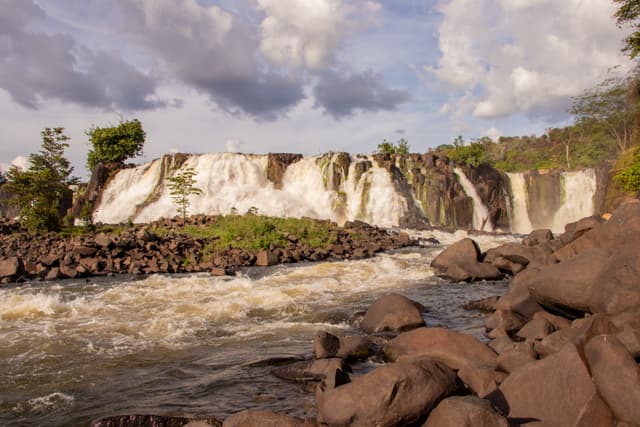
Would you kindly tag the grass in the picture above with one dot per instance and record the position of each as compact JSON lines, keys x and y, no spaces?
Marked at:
{"x":260,"y":232}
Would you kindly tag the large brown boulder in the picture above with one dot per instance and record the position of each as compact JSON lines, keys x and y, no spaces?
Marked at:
{"x":628,"y":325}
{"x":396,"y":394}
{"x":525,"y":255}
{"x":461,"y":262}
{"x":465,"y":411}
{"x":517,"y":298}
{"x":463,"y":251}
{"x":555,"y":391}
{"x":393,"y":312}
{"x":11,"y":267}
{"x":622,"y":228}
{"x":617,"y":376}
{"x":454,"y":349}
{"x":568,"y":285}
{"x":617,"y":286}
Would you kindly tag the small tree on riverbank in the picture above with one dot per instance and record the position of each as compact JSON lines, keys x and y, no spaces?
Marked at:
{"x":181,"y":187}
{"x":39,"y":191}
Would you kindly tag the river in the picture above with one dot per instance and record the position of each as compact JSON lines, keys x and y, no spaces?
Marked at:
{"x":74,"y":351}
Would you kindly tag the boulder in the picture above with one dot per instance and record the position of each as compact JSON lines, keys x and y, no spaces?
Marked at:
{"x":622,"y":228}
{"x":461,"y":262}
{"x":558,"y":322}
{"x":556,"y":391}
{"x":11,"y":267}
{"x":481,"y":381}
{"x":393,"y":312}
{"x":508,"y":266}
{"x":513,"y":359}
{"x":517,"y":298}
{"x":465,"y":411}
{"x":331,"y":370}
{"x":484,"y":305}
{"x":505,"y":320}
{"x":617,"y":376}
{"x":265,"y":258}
{"x":617,"y":286}
{"x":262,"y":418}
{"x":354,"y":347}
{"x":628,"y":325}
{"x":325,"y":345}
{"x":569,"y":284}
{"x":454,"y":349}
{"x":84,"y":251}
{"x":103,"y":240}
{"x":537,"y":236}
{"x":528,"y":256}
{"x":464,"y":251}
{"x":395,"y":394}
{"x":536,"y":329}
{"x":473,"y":271}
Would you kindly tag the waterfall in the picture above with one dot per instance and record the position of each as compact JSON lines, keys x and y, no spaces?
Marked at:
{"x":579,"y":188}
{"x":519,"y":216}
{"x":480,"y":212}
{"x":238,"y":182}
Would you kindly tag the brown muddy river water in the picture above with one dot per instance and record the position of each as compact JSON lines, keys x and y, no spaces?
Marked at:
{"x":75,"y":351}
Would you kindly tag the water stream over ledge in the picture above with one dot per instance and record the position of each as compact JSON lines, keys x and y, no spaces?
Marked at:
{"x":75,"y":351}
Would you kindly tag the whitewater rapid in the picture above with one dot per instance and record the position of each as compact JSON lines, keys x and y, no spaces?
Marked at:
{"x":77,"y":350}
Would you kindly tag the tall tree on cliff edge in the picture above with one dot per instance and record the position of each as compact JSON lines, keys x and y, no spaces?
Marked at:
{"x":40,"y":191}
{"x":115,"y":143}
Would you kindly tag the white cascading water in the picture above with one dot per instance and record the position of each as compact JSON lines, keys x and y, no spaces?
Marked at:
{"x":579,"y":188}
{"x":239,"y":182}
{"x":519,"y":215}
{"x":481,"y":219}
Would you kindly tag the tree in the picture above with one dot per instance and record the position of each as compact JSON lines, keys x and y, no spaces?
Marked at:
{"x":400,"y":147}
{"x":181,"y":187}
{"x":628,"y":13}
{"x":115,"y":143}
{"x":614,"y":105}
{"x":40,"y":191}
{"x":3,"y":178}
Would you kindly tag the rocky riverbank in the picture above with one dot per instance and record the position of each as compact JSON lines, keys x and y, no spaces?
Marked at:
{"x":563,"y":349}
{"x":167,"y":246}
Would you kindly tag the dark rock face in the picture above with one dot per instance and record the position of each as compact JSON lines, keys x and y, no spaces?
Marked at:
{"x":392,"y":312}
{"x":277,"y":164}
{"x":491,"y":185}
{"x":465,"y":411}
{"x":396,"y":394}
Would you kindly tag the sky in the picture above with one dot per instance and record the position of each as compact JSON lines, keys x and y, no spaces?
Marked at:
{"x":302,"y":76}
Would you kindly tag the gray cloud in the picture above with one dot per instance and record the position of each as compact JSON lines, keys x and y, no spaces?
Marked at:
{"x":215,"y":52}
{"x":35,"y":66}
{"x":342,"y":95}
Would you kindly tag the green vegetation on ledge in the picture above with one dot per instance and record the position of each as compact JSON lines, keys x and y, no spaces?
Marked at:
{"x":260,"y":232}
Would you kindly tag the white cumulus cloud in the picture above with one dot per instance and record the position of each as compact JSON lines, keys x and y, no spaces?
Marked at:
{"x":528,"y":56}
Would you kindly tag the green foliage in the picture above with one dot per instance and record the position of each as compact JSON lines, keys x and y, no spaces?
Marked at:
{"x":115,"y":143}
{"x":181,"y":186}
{"x":472,"y":155}
{"x":628,"y":13}
{"x":260,"y":232}
{"x":400,"y":147}
{"x":39,"y":191}
{"x":629,"y":177}
{"x":611,"y":106}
